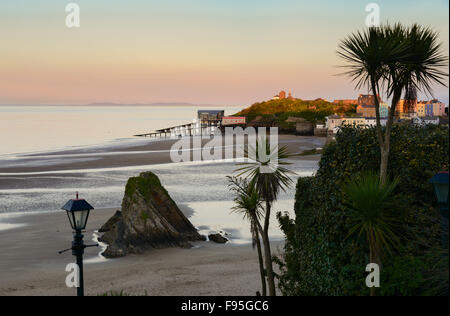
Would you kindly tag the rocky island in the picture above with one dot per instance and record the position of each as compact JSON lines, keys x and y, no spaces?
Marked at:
{"x":149,"y":219}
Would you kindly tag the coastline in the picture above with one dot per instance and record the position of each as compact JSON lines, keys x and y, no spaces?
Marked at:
{"x":30,"y":264}
{"x":149,"y":153}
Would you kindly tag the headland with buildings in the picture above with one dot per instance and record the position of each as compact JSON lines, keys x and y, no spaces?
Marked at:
{"x":318,"y":117}
{"x":414,"y":111}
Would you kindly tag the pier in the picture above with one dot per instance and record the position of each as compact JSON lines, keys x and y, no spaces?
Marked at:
{"x":208,"y":122}
{"x":199,"y":128}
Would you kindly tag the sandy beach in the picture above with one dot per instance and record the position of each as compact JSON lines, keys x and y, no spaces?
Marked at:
{"x":146,"y":152}
{"x":30,"y":263}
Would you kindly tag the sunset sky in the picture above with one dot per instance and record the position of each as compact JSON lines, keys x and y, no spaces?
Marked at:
{"x":228,"y":52}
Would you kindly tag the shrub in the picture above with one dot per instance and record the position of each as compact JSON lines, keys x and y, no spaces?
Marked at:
{"x":318,"y":259}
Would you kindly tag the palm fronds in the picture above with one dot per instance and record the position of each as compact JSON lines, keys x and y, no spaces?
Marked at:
{"x":247,"y":200}
{"x":265,"y":169}
{"x":373,"y":213}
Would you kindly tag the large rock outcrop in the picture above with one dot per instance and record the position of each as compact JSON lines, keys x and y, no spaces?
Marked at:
{"x":149,"y":219}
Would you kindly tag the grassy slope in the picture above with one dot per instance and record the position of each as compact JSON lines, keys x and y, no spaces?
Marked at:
{"x":278,"y":111}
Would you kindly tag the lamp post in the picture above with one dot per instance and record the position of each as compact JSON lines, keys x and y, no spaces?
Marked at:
{"x":440,"y":184}
{"x":78,"y":213}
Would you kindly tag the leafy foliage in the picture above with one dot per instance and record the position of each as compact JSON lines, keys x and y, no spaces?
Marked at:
{"x":247,"y":200}
{"x":286,"y":105}
{"x":396,"y":59}
{"x":266,"y":169}
{"x":320,"y":260}
{"x":399,"y":58}
{"x":373,"y":213}
{"x":265,"y":172}
{"x":426,"y":274}
{"x":276,"y":112}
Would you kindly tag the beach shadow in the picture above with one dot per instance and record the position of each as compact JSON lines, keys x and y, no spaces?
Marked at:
{"x":186,"y":210}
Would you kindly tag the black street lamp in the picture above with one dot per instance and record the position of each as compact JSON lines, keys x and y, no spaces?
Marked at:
{"x":78,"y":213}
{"x":440,"y":184}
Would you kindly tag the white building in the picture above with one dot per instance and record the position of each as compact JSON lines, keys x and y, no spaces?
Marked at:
{"x":372,"y":121}
{"x":335,"y":121}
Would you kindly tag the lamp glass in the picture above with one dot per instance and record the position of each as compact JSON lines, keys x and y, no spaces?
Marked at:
{"x":78,"y":219}
{"x":69,"y":215}
{"x":441,"y":190}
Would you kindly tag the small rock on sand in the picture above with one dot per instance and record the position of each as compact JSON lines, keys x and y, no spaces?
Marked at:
{"x":217,"y":238}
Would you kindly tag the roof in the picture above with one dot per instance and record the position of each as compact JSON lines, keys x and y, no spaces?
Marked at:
{"x":344,"y":117}
{"x":440,"y":177}
{"x":210,"y":111}
{"x":292,"y":119}
{"x":353,"y":117}
{"x":77,"y":205}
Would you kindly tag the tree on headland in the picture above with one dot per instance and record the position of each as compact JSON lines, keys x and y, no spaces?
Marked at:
{"x":267,"y":174}
{"x":248,"y":203}
{"x":396,"y":60}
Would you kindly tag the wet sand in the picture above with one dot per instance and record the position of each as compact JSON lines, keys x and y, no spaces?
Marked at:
{"x":30,"y":263}
{"x":145,"y":153}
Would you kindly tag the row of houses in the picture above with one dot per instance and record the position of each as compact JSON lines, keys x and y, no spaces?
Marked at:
{"x":334,"y":122}
{"x":430,"y":108}
{"x":405,"y":110}
{"x":365,"y":107}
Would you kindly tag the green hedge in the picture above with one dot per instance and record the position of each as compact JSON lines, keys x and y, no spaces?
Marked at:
{"x":320,"y":260}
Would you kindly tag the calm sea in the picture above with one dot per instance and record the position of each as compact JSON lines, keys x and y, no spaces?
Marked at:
{"x":40,"y":128}
{"x":200,"y":186}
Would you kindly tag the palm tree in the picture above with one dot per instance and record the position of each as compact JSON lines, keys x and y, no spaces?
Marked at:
{"x":248,"y":203}
{"x":366,"y":54}
{"x":416,"y":71}
{"x":398,"y":59}
{"x":372,"y":214}
{"x":266,"y":173}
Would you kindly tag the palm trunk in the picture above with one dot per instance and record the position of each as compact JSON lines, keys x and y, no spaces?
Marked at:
{"x":384,"y":164}
{"x":269,"y":269}
{"x":261,"y":264}
{"x":375,"y":92}
{"x":387,"y":137}
{"x":381,"y":140}
{"x":267,"y":253}
{"x":384,"y":142}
